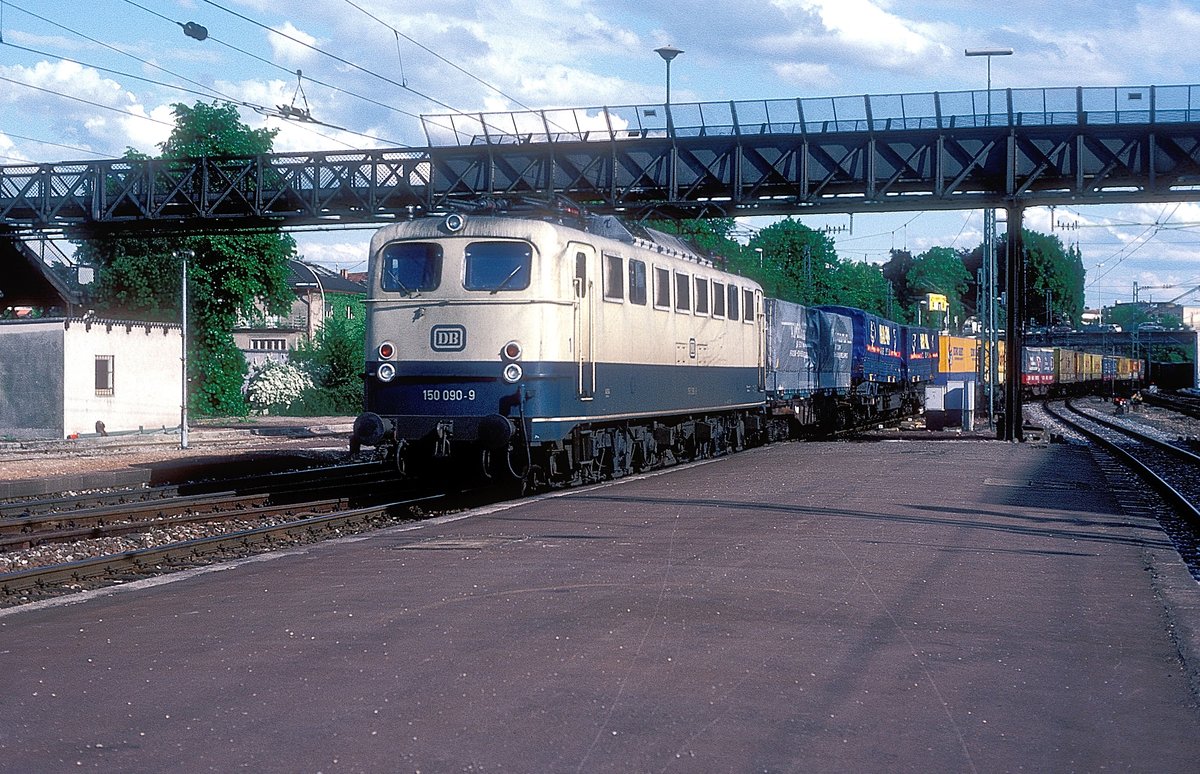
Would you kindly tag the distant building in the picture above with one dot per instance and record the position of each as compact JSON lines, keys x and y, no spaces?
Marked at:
{"x":318,"y":295}
{"x":60,"y":377}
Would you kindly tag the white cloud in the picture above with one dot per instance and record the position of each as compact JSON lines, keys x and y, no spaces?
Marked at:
{"x":290,"y":47}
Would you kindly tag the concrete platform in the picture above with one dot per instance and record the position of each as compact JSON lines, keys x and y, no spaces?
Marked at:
{"x":920,"y":606}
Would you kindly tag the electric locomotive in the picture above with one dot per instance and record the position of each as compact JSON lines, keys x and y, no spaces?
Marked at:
{"x":555,"y":348}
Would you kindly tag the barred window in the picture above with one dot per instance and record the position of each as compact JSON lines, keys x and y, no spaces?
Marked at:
{"x":104,"y":375}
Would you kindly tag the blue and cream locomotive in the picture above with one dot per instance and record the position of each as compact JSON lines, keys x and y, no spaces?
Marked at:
{"x":553,"y":349}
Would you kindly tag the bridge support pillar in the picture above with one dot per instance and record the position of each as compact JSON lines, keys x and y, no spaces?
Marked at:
{"x":1014,"y":325}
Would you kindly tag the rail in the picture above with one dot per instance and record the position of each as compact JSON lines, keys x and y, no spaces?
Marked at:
{"x":1181,"y":497}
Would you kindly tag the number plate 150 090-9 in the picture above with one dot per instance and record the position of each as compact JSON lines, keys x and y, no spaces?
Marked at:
{"x":448,"y":395}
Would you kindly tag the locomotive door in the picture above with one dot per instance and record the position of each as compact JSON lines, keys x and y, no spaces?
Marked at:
{"x":584,"y":328}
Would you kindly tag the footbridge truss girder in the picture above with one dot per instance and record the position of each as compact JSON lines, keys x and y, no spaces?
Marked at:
{"x":668,"y":173}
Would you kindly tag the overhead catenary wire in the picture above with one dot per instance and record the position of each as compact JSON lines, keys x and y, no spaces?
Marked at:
{"x":250,"y":54}
{"x":110,"y":47}
{"x":430,"y":51}
{"x":336,"y":57}
{"x":257,"y":108}
{"x":104,"y":154}
{"x":403,"y":85}
{"x":208,"y":93}
{"x":85,"y":101}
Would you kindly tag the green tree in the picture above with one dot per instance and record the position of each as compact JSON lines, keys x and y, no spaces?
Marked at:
{"x":334,"y":361}
{"x":940,"y":270}
{"x":1127,"y":316}
{"x":799,"y":264}
{"x":863,"y":285}
{"x":896,"y":272}
{"x":140,"y":276}
{"x":1053,"y":274}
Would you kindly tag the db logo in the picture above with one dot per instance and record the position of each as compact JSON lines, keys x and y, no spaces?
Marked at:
{"x":448,"y":338}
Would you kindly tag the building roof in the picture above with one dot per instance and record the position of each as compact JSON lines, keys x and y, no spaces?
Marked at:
{"x":303,"y":275}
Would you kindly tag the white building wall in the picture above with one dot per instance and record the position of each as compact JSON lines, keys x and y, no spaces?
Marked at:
{"x":147,"y":378}
{"x":31,"y":379}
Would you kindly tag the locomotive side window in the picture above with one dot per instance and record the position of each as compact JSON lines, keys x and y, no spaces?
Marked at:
{"x":662,"y":288}
{"x":733,"y":302}
{"x":683,"y":293}
{"x":496,"y":266}
{"x":409,"y":267}
{"x":701,"y":296}
{"x":718,"y":297}
{"x":581,"y":274}
{"x":614,"y":278}
{"x":637,"y":282}
{"x":748,"y":305}
{"x":104,"y":374}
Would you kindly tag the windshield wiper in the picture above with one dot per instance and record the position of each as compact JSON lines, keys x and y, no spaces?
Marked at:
{"x":507,"y":279}
{"x":396,"y":281}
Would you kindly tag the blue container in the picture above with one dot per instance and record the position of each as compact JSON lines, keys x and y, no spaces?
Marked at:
{"x":877,"y":354}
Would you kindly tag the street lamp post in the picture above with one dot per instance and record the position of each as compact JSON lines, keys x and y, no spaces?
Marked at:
{"x":313,"y":326}
{"x":668,"y":53}
{"x":989,"y":53}
{"x":183,"y":304}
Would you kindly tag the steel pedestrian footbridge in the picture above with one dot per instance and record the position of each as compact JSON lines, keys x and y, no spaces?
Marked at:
{"x":904,"y":152}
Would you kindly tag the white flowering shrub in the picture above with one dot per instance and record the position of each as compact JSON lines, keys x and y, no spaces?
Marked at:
{"x":276,"y":386}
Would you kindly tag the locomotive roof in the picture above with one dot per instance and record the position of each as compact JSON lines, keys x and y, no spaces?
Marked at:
{"x":519,"y":224}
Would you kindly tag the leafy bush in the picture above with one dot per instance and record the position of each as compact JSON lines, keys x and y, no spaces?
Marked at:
{"x":275,"y":387}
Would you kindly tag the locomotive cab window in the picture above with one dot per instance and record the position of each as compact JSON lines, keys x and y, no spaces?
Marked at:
{"x":637,"y":282}
{"x":614,"y":278}
{"x":496,"y":266}
{"x":732,"y":310}
{"x":748,"y":305}
{"x":409,"y":267}
{"x":701,"y":296}
{"x":683,"y":293}
{"x":718,"y":297}
{"x":662,"y":288}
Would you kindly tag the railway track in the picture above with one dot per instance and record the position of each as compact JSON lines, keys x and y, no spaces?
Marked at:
{"x":1161,"y":462}
{"x":1189,"y":405}
{"x":250,"y":515}
{"x":129,"y":565}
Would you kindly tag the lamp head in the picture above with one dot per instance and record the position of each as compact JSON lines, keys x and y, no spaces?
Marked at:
{"x":668,"y":53}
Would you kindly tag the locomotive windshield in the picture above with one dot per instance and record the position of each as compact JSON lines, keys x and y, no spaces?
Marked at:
{"x":409,"y":267}
{"x":497,"y":266}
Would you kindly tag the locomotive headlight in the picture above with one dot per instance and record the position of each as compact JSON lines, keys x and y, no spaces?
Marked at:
{"x":387,"y":350}
{"x":386,"y":372}
{"x":512,"y":373}
{"x":512,"y":350}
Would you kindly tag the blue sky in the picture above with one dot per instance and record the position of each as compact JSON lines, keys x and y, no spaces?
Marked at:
{"x":372,"y":66}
